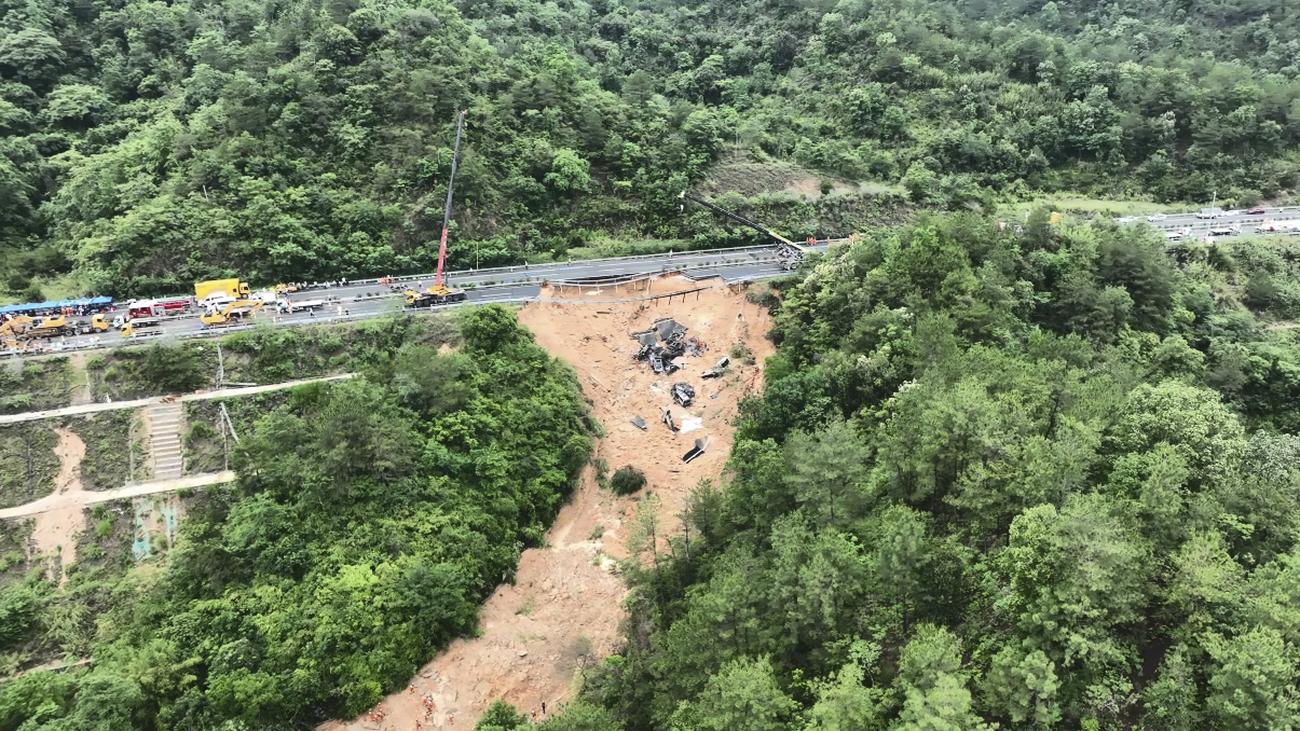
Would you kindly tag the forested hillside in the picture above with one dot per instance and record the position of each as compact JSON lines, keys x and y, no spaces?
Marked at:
{"x":147,"y":144}
{"x":1035,"y":480}
{"x":370,"y":519}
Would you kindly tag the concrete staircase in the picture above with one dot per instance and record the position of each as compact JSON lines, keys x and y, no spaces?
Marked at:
{"x":165,"y":422}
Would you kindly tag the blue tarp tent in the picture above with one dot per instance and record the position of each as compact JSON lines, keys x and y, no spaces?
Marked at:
{"x":90,"y":302}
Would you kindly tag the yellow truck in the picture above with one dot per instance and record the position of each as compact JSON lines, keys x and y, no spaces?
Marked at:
{"x":231,"y":314}
{"x":221,"y":290}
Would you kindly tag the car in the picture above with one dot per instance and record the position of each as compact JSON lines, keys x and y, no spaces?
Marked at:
{"x":1126,"y":219}
{"x":1209,"y":213}
{"x":1257,"y":211}
{"x":1156,"y":217}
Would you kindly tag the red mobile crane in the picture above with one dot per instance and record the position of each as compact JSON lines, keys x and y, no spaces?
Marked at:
{"x":439,"y":293}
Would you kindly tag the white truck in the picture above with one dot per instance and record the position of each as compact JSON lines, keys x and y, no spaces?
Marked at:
{"x":287,"y":306}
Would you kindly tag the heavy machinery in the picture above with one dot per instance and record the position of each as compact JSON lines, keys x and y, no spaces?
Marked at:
{"x":11,"y":330}
{"x":231,"y":313}
{"x":141,"y":326}
{"x":439,"y":293}
{"x":52,"y":326}
{"x":286,"y":306}
{"x":790,"y":253}
{"x":220,"y":291}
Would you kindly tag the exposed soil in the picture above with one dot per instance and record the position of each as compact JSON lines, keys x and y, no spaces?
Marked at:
{"x":55,"y":531}
{"x":564,"y":609}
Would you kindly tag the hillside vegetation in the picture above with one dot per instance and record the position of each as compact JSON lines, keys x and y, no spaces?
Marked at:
{"x":147,"y":144}
{"x":369,"y":520}
{"x":1018,"y":480}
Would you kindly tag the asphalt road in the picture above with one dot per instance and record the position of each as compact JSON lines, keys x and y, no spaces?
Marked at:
{"x":1199,"y":228}
{"x":367,"y":298}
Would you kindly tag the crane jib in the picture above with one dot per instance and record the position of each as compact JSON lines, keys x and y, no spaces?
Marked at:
{"x":446,"y":211}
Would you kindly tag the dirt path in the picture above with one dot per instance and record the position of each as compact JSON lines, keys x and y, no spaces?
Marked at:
{"x":54,"y":532}
{"x":564,"y":609}
{"x":139,"y":403}
{"x":81,"y":391}
{"x":60,"y":502}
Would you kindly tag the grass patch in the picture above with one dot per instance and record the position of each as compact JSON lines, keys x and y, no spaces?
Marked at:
{"x":34,"y":384}
{"x":204,"y":446}
{"x":1085,"y":204}
{"x":28,"y":464}
{"x":115,"y":448}
{"x":129,"y":373}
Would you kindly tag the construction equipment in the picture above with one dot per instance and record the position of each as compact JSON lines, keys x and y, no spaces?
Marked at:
{"x":12,"y":329}
{"x":220,"y":291}
{"x":146,"y":326}
{"x":288,"y":307}
{"x":439,"y":293}
{"x":52,"y":326}
{"x":790,"y":253}
{"x":230,"y":314}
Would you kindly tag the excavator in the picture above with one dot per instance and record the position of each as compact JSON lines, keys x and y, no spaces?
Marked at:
{"x":439,"y":293}
{"x":231,"y":313}
{"x":13,"y":329}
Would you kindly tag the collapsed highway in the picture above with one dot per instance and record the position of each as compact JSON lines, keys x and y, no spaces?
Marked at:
{"x":365,"y":299}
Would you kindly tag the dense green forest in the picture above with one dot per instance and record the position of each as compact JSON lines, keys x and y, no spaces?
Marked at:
{"x":146,"y":144}
{"x":370,"y":519}
{"x":1044,"y":479}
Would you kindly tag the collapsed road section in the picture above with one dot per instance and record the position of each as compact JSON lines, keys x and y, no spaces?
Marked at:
{"x":563,"y":609}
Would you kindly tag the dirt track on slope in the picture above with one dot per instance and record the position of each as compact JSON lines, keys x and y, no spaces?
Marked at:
{"x":55,"y":531}
{"x":564,"y":609}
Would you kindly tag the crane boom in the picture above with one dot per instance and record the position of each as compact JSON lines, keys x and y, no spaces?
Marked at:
{"x":446,"y":211}
{"x":737,"y":218}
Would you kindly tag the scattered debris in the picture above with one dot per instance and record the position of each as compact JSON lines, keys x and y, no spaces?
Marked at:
{"x":683,"y":394}
{"x":667,"y":418}
{"x":718,"y":369}
{"x":664,"y":343}
{"x":639,"y":423}
{"x":696,"y":451}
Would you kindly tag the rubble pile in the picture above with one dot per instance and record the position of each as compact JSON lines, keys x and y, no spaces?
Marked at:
{"x":663,"y":344}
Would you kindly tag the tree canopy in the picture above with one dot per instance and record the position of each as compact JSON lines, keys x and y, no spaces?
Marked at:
{"x":145,"y":145}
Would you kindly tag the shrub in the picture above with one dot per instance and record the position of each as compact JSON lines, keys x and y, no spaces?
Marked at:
{"x":627,"y":480}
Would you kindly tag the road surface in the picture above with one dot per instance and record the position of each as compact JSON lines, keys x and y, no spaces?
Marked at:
{"x":368,"y":298}
{"x":82,"y":498}
{"x":139,"y":403}
{"x":1199,"y":228}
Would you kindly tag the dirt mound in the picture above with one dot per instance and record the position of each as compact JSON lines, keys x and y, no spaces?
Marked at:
{"x":564,"y":609}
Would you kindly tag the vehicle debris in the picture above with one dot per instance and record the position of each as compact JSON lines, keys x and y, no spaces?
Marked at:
{"x":683,"y":394}
{"x":667,"y":418}
{"x":664,"y":343}
{"x":639,"y":423}
{"x":718,"y":369}
{"x":695,"y":451}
